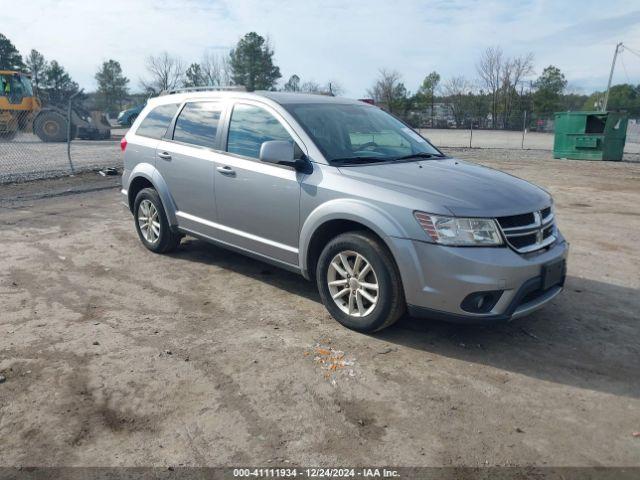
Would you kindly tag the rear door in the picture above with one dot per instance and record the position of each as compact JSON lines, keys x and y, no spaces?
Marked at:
{"x":148,"y":134}
{"x":185,"y":159}
{"x":258,"y":203}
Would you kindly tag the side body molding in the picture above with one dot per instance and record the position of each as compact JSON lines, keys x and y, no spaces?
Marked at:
{"x":148,"y":171}
{"x":372,"y":217}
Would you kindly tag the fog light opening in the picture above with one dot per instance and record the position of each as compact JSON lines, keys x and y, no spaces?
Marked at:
{"x":481,"y":302}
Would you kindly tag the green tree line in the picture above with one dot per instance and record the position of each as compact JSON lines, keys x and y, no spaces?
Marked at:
{"x":498,"y":98}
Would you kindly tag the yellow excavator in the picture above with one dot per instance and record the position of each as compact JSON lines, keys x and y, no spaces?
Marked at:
{"x":21,"y":111}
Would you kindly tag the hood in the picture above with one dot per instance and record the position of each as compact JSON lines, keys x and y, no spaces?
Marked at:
{"x":465,"y":189}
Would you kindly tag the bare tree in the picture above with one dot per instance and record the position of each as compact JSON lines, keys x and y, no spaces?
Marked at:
{"x":211,"y":69}
{"x":490,"y":71}
{"x":389,"y":91}
{"x":216,"y":69}
{"x":165,"y":73}
{"x":513,"y":73}
{"x":457,"y":91}
{"x":311,"y":86}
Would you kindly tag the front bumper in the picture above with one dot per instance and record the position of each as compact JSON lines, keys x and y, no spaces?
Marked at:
{"x":437,"y":279}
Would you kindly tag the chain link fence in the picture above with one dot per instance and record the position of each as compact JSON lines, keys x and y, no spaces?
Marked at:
{"x":536,"y":133}
{"x":38,"y":143}
{"x":25,"y":156}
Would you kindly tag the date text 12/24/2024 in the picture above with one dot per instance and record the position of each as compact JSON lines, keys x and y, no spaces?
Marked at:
{"x":315,"y":472}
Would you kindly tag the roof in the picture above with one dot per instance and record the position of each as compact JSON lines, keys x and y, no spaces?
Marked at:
{"x":295,"y":97}
{"x":281,"y":98}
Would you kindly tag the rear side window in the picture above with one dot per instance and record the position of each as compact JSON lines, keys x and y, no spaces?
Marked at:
{"x":197,"y":124}
{"x":251,"y":126}
{"x":155,"y":124}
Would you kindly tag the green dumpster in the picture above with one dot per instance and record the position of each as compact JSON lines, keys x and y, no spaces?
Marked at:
{"x":590,"y":135}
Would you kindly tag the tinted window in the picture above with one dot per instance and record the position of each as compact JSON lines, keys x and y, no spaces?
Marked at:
{"x":155,"y":124}
{"x":197,"y":124}
{"x":251,"y":126}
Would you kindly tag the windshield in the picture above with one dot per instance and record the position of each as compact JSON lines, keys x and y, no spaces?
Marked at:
{"x":358,"y":133}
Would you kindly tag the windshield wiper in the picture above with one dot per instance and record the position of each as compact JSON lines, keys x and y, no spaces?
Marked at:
{"x":343,"y":160}
{"x":420,"y":155}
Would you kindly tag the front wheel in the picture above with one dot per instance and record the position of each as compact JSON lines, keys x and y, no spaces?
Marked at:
{"x":151,"y":222}
{"x":51,"y":126}
{"x":359,"y":282}
{"x":8,"y":135}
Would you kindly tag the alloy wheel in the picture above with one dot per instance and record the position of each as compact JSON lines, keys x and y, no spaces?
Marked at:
{"x":353,"y":283}
{"x":148,"y":221}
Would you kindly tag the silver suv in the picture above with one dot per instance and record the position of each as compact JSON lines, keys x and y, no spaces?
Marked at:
{"x":347,"y":195}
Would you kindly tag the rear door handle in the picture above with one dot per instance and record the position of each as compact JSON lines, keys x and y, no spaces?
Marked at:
{"x":164,"y":155}
{"x":226,"y":170}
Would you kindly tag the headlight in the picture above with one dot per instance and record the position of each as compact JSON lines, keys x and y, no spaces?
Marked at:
{"x":459,"y":231}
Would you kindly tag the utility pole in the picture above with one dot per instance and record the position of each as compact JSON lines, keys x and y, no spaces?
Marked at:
{"x":613,"y":65}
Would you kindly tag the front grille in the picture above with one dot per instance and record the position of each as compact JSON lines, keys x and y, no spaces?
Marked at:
{"x":530,"y":231}
{"x":516,"y":220}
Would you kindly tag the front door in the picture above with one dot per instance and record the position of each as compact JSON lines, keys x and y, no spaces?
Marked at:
{"x":258,"y":203}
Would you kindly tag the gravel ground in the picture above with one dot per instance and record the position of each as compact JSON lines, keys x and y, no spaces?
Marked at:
{"x":27,"y":158}
{"x":115,"y":356}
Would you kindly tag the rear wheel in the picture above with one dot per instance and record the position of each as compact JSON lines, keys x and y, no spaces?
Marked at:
{"x":10,"y":127}
{"x":151,"y":222}
{"x":359,"y":282}
{"x":7,"y":136}
{"x":51,"y":126}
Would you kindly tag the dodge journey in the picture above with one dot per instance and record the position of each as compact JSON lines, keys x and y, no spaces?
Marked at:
{"x":348,"y":196}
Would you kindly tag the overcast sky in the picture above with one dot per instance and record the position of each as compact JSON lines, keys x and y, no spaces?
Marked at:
{"x":344,"y":40}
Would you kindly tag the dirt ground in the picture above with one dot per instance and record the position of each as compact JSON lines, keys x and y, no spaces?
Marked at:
{"x":115,"y":356}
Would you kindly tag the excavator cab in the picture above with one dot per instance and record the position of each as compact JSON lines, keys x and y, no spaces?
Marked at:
{"x":18,"y":104}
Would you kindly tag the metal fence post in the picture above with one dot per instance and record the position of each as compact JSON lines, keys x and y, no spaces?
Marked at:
{"x":524,"y":128}
{"x":69,"y":109}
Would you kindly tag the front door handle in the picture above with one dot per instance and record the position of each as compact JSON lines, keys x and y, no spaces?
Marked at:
{"x":226,"y":170}
{"x":164,"y":155}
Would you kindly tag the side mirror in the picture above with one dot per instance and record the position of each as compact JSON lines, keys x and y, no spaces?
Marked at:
{"x":277,"y":151}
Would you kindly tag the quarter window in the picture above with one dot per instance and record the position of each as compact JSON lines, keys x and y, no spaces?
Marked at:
{"x":250,"y":126}
{"x":155,"y":124}
{"x":197,"y":124}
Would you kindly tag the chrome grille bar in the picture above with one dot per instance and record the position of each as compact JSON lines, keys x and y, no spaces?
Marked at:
{"x":516,"y":237}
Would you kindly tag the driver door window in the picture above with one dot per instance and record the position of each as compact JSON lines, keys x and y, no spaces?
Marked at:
{"x":250,"y":126}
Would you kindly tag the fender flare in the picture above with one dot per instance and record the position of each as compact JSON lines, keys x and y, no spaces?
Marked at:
{"x":372,"y":217}
{"x":149,"y":172}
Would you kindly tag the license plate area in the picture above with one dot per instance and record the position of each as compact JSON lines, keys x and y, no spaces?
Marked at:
{"x":553,"y":273}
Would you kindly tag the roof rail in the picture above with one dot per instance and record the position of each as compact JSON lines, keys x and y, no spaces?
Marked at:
{"x":222,"y":88}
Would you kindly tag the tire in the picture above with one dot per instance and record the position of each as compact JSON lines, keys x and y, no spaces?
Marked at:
{"x":8,"y":135}
{"x":51,"y":126}
{"x":367,"y":316}
{"x":165,"y":240}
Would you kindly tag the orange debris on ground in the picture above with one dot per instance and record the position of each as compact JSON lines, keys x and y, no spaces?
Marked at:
{"x":331,"y":360}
